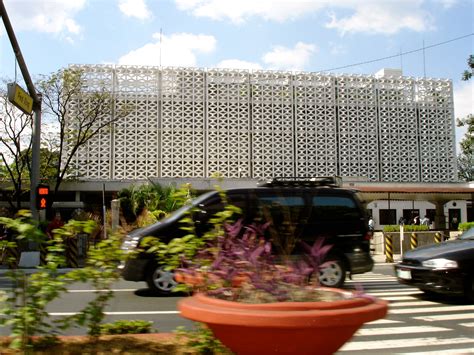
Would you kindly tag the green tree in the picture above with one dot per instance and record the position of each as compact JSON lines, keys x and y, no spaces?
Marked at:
{"x":468,"y":74}
{"x":15,"y":148}
{"x":466,"y":158}
{"x":79,"y":110}
{"x":73,"y":112}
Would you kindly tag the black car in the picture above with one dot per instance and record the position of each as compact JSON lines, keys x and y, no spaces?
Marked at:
{"x":447,"y":267}
{"x":297,"y":211}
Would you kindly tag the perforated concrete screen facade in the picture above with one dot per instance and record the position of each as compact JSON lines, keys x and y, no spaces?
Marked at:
{"x":190,"y":122}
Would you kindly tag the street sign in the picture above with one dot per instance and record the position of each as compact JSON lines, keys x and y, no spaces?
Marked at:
{"x":20,"y":98}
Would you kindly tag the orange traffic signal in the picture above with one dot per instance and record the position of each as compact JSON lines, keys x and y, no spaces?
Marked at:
{"x":42,"y":197}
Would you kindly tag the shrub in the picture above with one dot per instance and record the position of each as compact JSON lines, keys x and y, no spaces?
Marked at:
{"x":406,"y":228}
{"x":126,"y":327}
{"x":465,"y":226}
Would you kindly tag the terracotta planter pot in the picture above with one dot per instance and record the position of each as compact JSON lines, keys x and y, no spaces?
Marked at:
{"x":286,"y":327}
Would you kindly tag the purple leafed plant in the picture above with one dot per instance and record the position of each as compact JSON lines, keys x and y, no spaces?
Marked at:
{"x":239,"y":265}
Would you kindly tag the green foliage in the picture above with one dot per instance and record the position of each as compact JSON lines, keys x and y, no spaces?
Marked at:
{"x":201,"y":340}
{"x":126,"y":327}
{"x":152,"y":198}
{"x":101,"y":271}
{"x":24,"y":308}
{"x":465,"y":226}
{"x":466,"y":157}
{"x":406,"y":228}
{"x":185,"y":248}
{"x":467,"y":75}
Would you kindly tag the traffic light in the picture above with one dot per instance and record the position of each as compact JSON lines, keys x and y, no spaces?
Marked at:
{"x":42,"y":197}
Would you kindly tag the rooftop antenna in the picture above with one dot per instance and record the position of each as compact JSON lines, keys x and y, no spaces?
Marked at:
{"x":161,"y":41}
{"x":401,"y":59}
{"x":424,"y":60}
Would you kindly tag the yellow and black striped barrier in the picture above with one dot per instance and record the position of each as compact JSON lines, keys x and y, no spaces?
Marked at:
{"x":388,"y":248}
{"x":438,"y":237}
{"x":72,"y":254}
{"x":414,"y":241}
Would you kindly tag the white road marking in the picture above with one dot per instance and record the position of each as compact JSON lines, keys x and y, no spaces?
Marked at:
{"x":398,"y":298}
{"x":396,"y":293}
{"x":469,"y":325}
{"x":469,"y":350}
{"x":445,"y":317}
{"x":400,"y":330}
{"x":413,"y":303}
{"x":433,"y":309}
{"x":403,"y":343}
{"x":384,"y":321}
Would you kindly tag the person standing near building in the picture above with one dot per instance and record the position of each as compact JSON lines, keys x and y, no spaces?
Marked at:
{"x":371,"y":224}
{"x":402,"y":221}
{"x":425,"y":221}
{"x":455,"y":223}
{"x":416,"y":220}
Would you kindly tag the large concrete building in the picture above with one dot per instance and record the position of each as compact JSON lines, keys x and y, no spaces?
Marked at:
{"x":389,"y":136}
{"x":190,"y":122}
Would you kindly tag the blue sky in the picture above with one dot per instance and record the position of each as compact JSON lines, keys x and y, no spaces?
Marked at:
{"x":290,"y":35}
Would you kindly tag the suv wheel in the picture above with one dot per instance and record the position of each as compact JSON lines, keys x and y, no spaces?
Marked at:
{"x":160,"y":280}
{"x":334,"y":273}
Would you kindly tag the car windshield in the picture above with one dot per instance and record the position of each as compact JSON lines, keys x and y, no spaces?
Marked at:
{"x":469,"y":234}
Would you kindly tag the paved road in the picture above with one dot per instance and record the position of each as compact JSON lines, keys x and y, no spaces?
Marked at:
{"x":415,"y":324}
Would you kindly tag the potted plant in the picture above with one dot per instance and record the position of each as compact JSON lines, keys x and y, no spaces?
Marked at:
{"x":256,"y":303}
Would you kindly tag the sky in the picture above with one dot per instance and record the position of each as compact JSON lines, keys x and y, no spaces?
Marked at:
{"x":424,"y":38}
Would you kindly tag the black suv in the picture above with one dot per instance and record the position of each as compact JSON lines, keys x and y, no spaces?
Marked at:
{"x":296,"y":209}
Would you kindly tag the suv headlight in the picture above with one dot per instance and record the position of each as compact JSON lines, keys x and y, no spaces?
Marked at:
{"x":440,"y":263}
{"x":130,"y":243}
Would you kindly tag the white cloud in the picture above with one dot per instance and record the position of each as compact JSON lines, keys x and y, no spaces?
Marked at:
{"x":447,"y":3}
{"x":381,"y":16}
{"x":337,"y":49}
{"x":463,"y":105}
{"x":46,"y":16}
{"x":240,"y":11}
{"x":284,"y":58}
{"x":386,"y":17}
{"x":135,"y":8}
{"x":178,"y":49}
{"x":238,"y":64}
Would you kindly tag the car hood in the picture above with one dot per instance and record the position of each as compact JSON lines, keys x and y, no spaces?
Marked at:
{"x":443,"y":249}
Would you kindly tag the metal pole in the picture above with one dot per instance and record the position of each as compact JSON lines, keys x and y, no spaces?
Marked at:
{"x":36,"y":134}
{"x":35,"y":159}
{"x":104,"y":208}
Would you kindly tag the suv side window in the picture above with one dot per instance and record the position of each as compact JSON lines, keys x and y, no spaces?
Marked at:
{"x":281,"y":208}
{"x":286,"y":211}
{"x":213,"y":205}
{"x":334,"y":208}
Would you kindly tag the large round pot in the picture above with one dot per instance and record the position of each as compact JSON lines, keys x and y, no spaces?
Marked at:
{"x":286,"y":327}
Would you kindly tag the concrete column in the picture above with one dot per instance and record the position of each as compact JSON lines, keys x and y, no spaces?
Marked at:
{"x":115,"y":206}
{"x":440,"y":218}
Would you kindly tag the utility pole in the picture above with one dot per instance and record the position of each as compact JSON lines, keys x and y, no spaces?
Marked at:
{"x":35,"y":160}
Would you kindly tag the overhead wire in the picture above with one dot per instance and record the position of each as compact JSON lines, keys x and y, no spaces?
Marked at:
{"x":400,"y":54}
